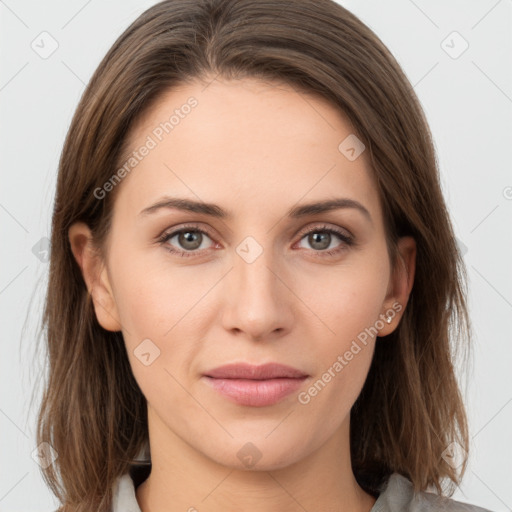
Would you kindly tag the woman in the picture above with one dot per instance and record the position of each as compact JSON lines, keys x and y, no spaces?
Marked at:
{"x":254,"y":281}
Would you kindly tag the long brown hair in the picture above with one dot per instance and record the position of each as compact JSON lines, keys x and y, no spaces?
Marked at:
{"x":410,"y":409}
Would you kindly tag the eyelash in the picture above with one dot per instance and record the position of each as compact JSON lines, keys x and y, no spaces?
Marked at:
{"x":347,"y":240}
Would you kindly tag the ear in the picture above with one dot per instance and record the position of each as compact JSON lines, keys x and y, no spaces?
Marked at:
{"x":95,"y":275}
{"x":400,"y":285}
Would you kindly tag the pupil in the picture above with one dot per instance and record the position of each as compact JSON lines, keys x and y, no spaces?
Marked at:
{"x":317,"y":237}
{"x":188,"y":237}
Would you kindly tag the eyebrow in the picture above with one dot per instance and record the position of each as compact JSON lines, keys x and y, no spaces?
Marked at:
{"x":216,"y":211}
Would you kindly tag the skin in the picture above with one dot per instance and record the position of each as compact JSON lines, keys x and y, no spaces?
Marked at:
{"x":256,"y":149}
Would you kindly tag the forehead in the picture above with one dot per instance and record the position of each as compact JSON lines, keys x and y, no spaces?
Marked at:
{"x":245,"y":144}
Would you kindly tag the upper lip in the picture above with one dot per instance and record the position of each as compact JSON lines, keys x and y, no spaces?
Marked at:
{"x":250,"y":371}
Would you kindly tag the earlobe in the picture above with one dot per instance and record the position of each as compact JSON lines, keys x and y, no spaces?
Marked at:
{"x":401,"y":284}
{"x":94,"y":272}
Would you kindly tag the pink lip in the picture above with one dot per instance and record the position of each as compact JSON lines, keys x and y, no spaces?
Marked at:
{"x":255,"y":386}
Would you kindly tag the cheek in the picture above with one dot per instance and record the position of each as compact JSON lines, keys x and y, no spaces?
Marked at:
{"x":348,"y":308}
{"x":161,"y":304}
{"x":347,"y":298}
{"x":152,"y":299}
{"x":344,"y":351}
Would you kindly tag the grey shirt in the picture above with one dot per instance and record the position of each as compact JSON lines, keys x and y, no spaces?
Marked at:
{"x":396,"y":496}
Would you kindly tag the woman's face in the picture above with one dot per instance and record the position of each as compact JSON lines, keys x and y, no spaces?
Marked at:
{"x":250,"y":286}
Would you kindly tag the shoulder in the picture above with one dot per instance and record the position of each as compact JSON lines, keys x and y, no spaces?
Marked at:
{"x":398,"y":496}
{"x":124,"y":497}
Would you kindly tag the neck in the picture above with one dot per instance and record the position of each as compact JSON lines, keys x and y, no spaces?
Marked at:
{"x":183,"y":479}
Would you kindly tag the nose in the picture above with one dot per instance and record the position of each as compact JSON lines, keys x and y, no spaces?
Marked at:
{"x":259,"y":302}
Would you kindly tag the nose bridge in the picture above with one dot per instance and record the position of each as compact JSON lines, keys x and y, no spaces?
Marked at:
{"x":252,"y":270}
{"x":258,"y":302}
{"x":252,"y":266}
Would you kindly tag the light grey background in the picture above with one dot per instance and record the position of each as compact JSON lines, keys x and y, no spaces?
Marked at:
{"x":468,"y":102}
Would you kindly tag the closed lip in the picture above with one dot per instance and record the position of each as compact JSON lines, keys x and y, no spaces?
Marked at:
{"x":255,"y":372}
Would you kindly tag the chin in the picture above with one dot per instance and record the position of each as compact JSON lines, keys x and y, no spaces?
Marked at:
{"x":257,"y":455}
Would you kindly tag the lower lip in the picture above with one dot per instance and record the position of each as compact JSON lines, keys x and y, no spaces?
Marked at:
{"x":255,"y":393}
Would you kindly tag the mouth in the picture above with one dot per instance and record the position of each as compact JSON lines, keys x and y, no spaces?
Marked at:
{"x":255,"y":386}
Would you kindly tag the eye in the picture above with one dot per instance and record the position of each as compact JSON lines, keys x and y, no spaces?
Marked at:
{"x":320,"y":238}
{"x":190,"y":238}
